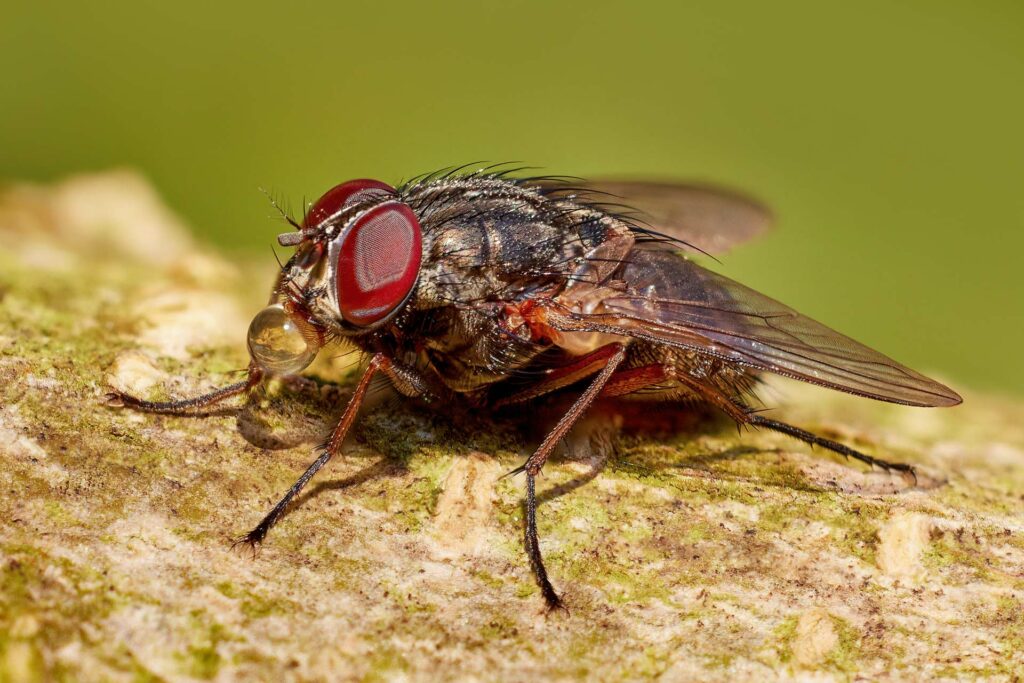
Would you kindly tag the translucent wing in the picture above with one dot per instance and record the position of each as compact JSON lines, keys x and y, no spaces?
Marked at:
{"x":712,"y":219}
{"x":671,"y":300}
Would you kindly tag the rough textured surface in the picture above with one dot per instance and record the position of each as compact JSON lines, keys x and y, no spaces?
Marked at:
{"x":685,"y":551}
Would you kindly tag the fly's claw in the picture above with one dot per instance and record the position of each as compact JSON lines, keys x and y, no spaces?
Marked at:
{"x":116,"y":399}
{"x":514,"y":472}
{"x":553,"y":605}
{"x":908,"y":472}
{"x":251,"y":539}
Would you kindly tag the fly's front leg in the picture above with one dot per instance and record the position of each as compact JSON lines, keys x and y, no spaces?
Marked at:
{"x":187,"y":406}
{"x":327,"y":451}
{"x":535,"y":462}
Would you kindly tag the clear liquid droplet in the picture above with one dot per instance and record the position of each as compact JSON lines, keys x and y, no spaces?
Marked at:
{"x":276,"y":342}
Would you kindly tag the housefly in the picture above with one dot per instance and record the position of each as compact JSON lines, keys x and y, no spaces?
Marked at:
{"x":496,"y":290}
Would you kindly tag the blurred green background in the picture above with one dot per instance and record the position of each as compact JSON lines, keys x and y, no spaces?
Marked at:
{"x":889,"y":136}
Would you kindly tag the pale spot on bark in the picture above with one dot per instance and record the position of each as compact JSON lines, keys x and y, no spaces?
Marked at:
{"x":13,"y":441}
{"x":815,"y":638}
{"x":134,"y":373}
{"x":25,"y":626}
{"x":120,"y":208}
{"x":179,"y":320}
{"x":465,"y":506}
{"x":902,"y":542}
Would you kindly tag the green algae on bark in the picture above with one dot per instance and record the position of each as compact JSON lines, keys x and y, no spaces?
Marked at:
{"x":685,"y":551}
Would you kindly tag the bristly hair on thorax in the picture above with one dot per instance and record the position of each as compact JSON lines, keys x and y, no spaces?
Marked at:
{"x":554,"y":186}
{"x":498,"y":177}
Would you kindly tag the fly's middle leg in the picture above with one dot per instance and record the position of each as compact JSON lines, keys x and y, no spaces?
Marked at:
{"x":535,"y":462}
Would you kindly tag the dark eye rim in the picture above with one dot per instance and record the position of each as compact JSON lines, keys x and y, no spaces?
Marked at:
{"x":344,"y":196}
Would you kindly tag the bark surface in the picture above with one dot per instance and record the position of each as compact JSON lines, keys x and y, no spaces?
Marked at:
{"x":684,"y":550}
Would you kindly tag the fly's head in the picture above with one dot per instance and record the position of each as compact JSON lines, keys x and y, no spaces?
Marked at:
{"x":357,"y":262}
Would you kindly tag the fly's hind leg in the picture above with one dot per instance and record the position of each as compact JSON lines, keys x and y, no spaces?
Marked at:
{"x":743,"y":414}
{"x":834,"y":446}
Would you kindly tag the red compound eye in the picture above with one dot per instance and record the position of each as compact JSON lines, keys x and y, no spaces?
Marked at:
{"x":378,"y":262}
{"x":340,"y":196}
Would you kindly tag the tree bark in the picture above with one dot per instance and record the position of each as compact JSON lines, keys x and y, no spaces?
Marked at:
{"x":684,"y":550}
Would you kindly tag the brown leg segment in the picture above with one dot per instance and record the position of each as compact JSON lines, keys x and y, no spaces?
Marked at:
{"x":627,"y":381}
{"x":563,"y":376}
{"x":329,"y":449}
{"x":535,"y":462}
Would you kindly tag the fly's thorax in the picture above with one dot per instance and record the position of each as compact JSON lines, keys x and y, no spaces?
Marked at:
{"x":491,"y":240}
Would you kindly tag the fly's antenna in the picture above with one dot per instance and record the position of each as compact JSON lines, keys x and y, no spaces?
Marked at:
{"x":286,"y":239}
{"x":289,"y":239}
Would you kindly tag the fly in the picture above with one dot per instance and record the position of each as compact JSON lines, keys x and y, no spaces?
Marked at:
{"x":482,"y":287}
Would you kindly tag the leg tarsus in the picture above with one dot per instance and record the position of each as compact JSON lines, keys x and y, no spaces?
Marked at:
{"x":185,"y":406}
{"x":533,"y":548}
{"x":254,"y":545}
{"x":834,"y":446}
